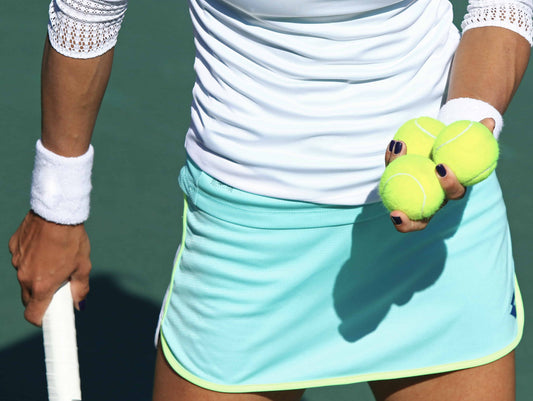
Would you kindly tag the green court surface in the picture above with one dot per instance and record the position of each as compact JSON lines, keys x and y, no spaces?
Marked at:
{"x":136,"y":205}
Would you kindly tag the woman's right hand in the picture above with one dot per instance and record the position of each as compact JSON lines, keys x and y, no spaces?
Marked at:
{"x":46,"y":255}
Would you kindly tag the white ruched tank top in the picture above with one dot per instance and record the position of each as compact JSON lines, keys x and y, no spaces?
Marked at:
{"x":298,"y":99}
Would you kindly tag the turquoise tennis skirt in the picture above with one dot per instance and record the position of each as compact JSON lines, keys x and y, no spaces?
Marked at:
{"x":270,"y":294}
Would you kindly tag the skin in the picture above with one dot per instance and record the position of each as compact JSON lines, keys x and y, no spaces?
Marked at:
{"x":169,"y":386}
{"x":453,"y":189}
{"x":489,"y":64}
{"x":46,"y":254}
{"x":494,"y":381}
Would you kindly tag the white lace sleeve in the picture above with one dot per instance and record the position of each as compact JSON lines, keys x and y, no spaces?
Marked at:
{"x":511,"y":14}
{"x":85,"y":28}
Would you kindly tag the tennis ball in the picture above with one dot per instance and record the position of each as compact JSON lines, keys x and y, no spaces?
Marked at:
{"x":410,"y":184}
{"x":469,"y":149}
{"x":419,"y":134}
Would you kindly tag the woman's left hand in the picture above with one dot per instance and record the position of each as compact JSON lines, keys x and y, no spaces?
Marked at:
{"x":452,"y":187}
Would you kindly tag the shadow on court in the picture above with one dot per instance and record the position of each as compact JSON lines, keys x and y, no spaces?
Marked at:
{"x":116,"y":351}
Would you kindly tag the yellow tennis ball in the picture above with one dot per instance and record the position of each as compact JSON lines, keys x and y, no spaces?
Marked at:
{"x":469,"y":149}
{"x":419,"y":134}
{"x":410,"y":184}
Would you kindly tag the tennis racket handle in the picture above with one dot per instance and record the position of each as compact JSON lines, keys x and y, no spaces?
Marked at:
{"x":60,"y":348}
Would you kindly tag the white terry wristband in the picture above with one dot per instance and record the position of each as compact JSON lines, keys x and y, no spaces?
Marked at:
{"x":61,"y":186}
{"x":465,"y":108}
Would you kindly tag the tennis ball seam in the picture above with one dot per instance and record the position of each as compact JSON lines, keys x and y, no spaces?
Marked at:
{"x":454,"y":138}
{"x":467,"y":183}
{"x":419,"y":184}
{"x":425,"y":131}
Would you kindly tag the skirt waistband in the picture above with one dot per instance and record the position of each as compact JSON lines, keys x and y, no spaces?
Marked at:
{"x":251,"y":210}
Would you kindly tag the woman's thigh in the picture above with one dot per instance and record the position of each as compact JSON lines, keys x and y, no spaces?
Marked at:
{"x":169,"y":386}
{"x":492,"y":382}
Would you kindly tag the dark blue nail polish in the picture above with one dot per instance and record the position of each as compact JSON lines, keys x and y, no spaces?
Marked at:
{"x":82,"y":305}
{"x":396,"y":220}
{"x":397,"y":148}
{"x":391,"y":146}
{"x":441,"y":170}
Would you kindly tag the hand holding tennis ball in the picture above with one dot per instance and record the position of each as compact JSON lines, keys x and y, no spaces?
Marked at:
{"x":469,"y":149}
{"x":419,"y":134}
{"x":410,"y":184}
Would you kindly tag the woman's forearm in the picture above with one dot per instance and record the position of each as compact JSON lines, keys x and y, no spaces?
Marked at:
{"x":489,"y":65}
{"x":71,"y":94}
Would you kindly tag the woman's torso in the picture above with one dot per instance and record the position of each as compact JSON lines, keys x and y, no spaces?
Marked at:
{"x":298,"y":99}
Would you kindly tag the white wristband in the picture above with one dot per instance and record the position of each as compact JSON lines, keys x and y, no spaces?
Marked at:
{"x":470,"y":109}
{"x":61,"y":186}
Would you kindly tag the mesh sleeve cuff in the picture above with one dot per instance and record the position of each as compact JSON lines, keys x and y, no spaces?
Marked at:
{"x":514,"y":15}
{"x":85,"y":28}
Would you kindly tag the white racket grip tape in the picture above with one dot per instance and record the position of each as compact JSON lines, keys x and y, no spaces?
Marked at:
{"x":60,"y":348}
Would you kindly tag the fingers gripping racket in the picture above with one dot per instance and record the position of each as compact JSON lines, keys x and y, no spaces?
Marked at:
{"x":60,"y":348}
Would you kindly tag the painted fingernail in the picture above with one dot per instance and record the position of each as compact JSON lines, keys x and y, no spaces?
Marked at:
{"x":82,"y":305}
{"x":396,"y":220}
{"x":391,"y":146}
{"x":441,"y":170}
{"x":397,"y":148}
